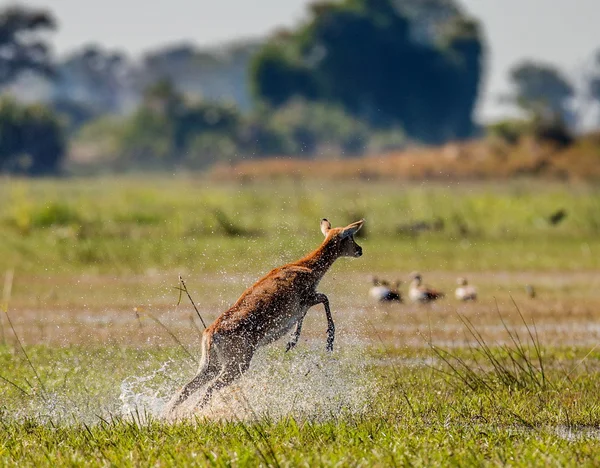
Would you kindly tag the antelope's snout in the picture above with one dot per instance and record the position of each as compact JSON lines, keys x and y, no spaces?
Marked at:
{"x":358,"y":252}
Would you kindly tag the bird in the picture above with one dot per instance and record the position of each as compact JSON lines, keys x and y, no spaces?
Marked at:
{"x":529,"y":289}
{"x":422,"y":293}
{"x":383,"y":292}
{"x":465,"y":292}
{"x":556,"y":217}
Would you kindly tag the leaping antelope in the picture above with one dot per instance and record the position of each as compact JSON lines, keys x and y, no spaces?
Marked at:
{"x":265,"y":312}
{"x":422,"y":293}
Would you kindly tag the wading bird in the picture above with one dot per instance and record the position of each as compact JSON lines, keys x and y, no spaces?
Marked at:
{"x":422,"y":293}
{"x":465,"y":292}
{"x":383,"y":292}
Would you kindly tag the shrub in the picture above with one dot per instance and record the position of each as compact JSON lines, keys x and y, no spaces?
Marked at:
{"x":32,"y":139}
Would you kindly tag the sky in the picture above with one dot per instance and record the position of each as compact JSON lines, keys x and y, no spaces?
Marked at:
{"x":563,"y":32}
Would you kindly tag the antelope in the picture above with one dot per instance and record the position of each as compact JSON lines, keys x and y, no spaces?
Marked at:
{"x":465,"y":292}
{"x":265,"y":312}
{"x":421,"y":293}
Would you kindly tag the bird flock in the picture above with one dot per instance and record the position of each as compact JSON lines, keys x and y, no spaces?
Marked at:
{"x":418,"y":292}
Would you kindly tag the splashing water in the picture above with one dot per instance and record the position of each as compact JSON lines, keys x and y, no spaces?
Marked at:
{"x":308,"y":384}
{"x":141,"y":396}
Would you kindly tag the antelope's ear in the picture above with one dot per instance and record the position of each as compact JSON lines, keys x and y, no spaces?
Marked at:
{"x":325,"y":226}
{"x":351,"y":229}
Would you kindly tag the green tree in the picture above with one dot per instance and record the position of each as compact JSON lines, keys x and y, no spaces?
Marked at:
{"x":169,"y":130}
{"x":542,"y":91}
{"x":31,"y":139}
{"x":365,"y":56}
{"x":22,"y":46}
{"x":311,"y":127}
{"x":97,"y":79}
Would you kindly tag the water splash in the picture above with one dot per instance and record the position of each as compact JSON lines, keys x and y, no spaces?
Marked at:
{"x":307,"y":384}
{"x":144,"y":396}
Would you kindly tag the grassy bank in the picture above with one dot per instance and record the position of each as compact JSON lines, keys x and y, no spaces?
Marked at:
{"x":132,"y":224}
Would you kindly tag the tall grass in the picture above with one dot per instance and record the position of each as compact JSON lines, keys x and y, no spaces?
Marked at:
{"x":516,"y":365}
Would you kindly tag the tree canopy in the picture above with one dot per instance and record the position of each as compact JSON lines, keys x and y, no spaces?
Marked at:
{"x":22,"y":47}
{"x":542,"y":90}
{"x":381,"y":62}
{"x":31,"y":139}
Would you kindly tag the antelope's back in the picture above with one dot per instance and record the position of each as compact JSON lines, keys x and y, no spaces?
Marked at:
{"x":272,"y":301}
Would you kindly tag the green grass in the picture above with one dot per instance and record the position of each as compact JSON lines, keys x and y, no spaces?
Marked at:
{"x":418,"y":415}
{"x":131,"y":224}
{"x":86,"y":251}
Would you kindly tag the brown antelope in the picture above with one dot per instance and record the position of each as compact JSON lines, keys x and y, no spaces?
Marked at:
{"x":265,"y":312}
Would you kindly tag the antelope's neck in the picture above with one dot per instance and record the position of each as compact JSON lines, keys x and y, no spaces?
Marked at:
{"x":319,"y":260}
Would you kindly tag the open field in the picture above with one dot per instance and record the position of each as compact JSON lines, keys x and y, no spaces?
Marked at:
{"x":102,"y":342}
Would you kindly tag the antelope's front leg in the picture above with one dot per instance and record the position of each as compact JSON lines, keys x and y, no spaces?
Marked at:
{"x":295,"y":337}
{"x":322,"y":299}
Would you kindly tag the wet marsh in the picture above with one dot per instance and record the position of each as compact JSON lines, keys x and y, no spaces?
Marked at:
{"x":102,"y":342}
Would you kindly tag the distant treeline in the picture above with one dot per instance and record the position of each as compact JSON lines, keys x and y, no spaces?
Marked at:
{"x":357,"y":76}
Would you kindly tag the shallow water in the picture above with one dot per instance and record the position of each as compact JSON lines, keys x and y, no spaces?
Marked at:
{"x":310,"y":384}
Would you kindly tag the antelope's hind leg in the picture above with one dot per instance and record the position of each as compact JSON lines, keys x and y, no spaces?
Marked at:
{"x":208,"y":369}
{"x":201,"y":378}
{"x":229,"y":373}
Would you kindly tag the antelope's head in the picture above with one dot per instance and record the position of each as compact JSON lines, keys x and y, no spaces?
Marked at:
{"x":342,"y":239}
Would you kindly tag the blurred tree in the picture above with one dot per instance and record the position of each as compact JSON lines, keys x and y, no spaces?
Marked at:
{"x":205,"y":117}
{"x":169,"y":130}
{"x":146,"y":140}
{"x":313,"y":127}
{"x":542,"y":91}
{"x":22,"y":46}
{"x":219,"y":73}
{"x":31,"y":139}
{"x":162,"y":97}
{"x":277,"y":75}
{"x":369,"y":57}
{"x":99,"y":80}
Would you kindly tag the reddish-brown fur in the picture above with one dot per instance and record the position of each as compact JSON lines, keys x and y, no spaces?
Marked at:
{"x":266,"y":311}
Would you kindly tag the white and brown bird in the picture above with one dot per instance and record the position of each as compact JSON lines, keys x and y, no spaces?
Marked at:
{"x":465,"y":291}
{"x":419,"y":292}
{"x":383,"y":292}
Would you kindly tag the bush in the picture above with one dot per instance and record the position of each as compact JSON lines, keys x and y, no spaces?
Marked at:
{"x":32,"y":139}
{"x":510,"y":130}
